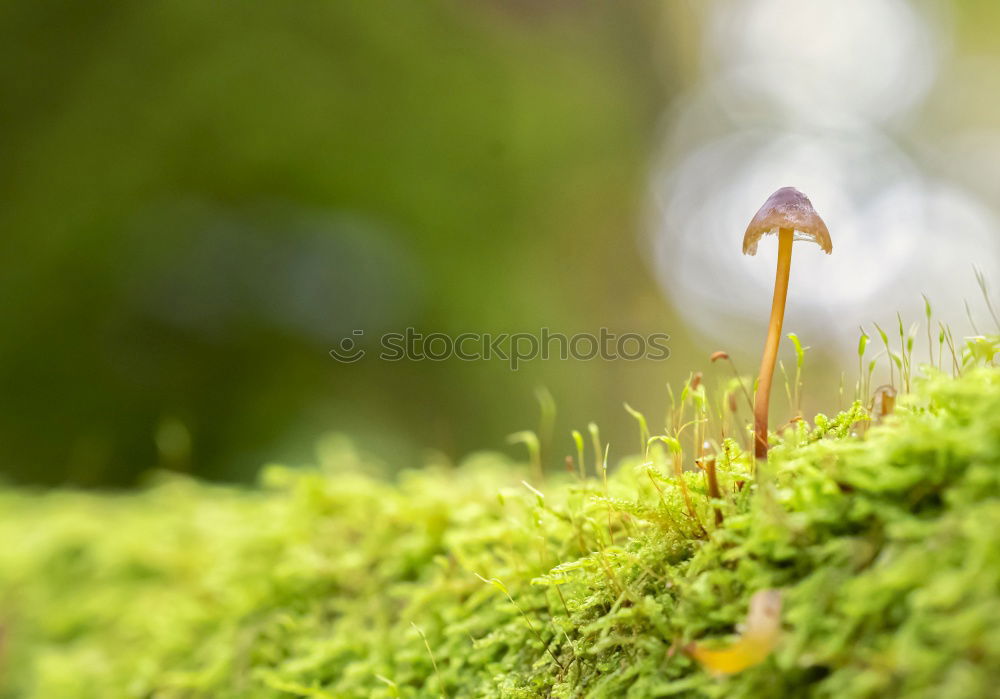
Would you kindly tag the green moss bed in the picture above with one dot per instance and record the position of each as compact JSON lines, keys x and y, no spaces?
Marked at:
{"x":327,"y":582}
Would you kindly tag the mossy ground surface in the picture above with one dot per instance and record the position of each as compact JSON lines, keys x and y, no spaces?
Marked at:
{"x":465,"y":583}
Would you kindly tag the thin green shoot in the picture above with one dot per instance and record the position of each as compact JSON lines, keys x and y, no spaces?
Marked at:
{"x":736,"y":375}
{"x":929,"y":313}
{"x":972,"y":321}
{"x":941,"y":349}
{"x":643,"y":428}
{"x":496,"y":583}
{"x":595,"y":442}
{"x":539,"y":495}
{"x":950,"y":341}
{"x":906,"y":344}
{"x":607,"y":491}
{"x":530,"y":440}
{"x":888,"y":351}
{"x":546,"y":421}
{"x":788,"y":386}
{"x":862,"y":388}
{"x":430,"y":652}
{"x":871,"y":372}
{"x":670,"y":410}
{"x":601,"y":463}
{"x":981,"y":281}
{"x":800,"y":360}
{"x":391,"y":686}
{"x":578,"y":441}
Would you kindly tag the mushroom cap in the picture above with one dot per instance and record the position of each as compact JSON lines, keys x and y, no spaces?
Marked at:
{"x":787,"y":208}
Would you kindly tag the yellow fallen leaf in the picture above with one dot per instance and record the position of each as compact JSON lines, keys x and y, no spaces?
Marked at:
{"x":759,"y":638}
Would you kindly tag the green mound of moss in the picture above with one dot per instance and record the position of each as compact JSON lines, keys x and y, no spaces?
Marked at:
{"x":330,"y":583}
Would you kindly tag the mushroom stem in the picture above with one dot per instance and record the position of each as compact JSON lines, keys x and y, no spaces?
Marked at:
{"x":763,"y":397}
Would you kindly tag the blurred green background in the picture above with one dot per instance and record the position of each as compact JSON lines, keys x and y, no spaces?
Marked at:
{"x":199,"y":199}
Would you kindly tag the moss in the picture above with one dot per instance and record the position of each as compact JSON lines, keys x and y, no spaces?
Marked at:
{"x":326,"y":582}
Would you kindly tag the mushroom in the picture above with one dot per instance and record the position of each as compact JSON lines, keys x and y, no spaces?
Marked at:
{"x":789,"y":214}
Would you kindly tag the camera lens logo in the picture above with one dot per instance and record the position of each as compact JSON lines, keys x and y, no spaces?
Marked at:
{"x":348,"y":352}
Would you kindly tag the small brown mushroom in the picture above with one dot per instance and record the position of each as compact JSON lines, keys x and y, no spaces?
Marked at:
{"x":789,"y":214}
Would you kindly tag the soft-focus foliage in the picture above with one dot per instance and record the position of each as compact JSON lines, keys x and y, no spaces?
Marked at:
{"x":331,"y":583}
{"x":198,"y":200}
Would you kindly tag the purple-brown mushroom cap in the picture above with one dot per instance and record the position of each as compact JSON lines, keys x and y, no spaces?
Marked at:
{"x":787,"y":208}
